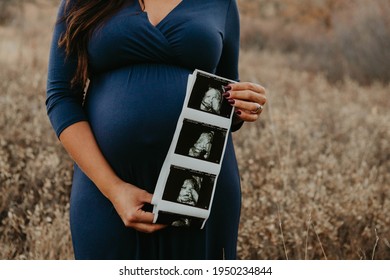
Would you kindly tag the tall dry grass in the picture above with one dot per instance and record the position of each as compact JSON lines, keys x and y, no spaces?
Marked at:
{"x":338,"y":38}
{"x":315,"y":169}
{"x":35,"y":173}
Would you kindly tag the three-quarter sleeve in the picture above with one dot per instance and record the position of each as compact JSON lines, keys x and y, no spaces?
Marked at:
{"x":63,"y":103}
{"x":228,"y":63}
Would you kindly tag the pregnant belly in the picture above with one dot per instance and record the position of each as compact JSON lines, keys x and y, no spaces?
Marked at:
{"x":134,"y":110}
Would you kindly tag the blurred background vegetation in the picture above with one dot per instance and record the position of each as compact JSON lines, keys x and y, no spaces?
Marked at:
{"x":337,"y":37}
{"x":315,"y":170}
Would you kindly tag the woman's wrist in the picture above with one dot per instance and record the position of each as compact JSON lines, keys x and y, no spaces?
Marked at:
{"x":112,"y":188}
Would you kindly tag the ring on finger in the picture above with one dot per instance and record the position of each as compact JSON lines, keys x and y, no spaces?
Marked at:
{"x":258,"y":109}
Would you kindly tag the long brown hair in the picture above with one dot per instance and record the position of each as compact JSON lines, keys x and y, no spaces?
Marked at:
{"x":82,"y":17}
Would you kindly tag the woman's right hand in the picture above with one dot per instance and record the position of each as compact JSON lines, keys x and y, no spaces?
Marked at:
{"x":128,"y":201}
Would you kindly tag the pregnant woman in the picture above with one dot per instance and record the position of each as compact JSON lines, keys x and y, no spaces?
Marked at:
{"x":135,"y":57}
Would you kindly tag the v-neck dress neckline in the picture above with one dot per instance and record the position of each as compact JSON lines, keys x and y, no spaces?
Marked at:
{"x":166,"y":17}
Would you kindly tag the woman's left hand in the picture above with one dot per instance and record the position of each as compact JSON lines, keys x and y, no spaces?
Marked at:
{"x":247,"y":98}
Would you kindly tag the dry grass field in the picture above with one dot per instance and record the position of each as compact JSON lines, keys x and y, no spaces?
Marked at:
{"x":315,"y":170}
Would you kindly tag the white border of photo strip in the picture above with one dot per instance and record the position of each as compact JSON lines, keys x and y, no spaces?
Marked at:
{"x":187,"y":162}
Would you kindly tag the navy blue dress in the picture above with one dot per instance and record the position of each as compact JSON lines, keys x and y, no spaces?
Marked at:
{"x":137,"y":87}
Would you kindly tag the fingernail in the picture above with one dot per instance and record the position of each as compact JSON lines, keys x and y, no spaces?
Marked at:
{"x":231,"y":101}
{"x":238,"y":112}
{"x":226,"y":94}
{"x":227,"y":88}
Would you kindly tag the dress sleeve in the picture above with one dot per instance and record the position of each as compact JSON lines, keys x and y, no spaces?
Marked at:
{"x":63,"y":103}
{"x":228,"y":63}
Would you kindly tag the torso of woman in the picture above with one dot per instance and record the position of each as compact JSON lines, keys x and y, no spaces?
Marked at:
{"x":138,"y":82}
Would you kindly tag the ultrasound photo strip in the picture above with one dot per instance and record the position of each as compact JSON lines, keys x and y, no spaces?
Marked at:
{"x":185,"y":188}
{"x":201,"y":141}
{"x":189,"y":187}
{"x":207,"y":95}
{"x":178,"y":220}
